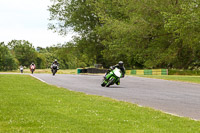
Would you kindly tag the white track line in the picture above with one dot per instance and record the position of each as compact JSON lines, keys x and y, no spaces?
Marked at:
{"x":38,"y":78}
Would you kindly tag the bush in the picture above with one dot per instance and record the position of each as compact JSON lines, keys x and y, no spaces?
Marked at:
{"x":7,"y":60}
{"x":183,"y":72}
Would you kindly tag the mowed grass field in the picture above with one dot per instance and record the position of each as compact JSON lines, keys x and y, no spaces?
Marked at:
{"x":28,"y":105}
{"x":183,"y":78}
{"x":61,"y":71}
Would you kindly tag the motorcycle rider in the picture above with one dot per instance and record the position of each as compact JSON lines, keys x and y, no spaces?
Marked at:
{"x":32,"y":66}
{"x":21,"y":68}
{"x":56,"y":63}
{"x":120,"y":66}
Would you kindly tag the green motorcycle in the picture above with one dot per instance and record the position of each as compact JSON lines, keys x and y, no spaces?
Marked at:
{"x":112,"y":77}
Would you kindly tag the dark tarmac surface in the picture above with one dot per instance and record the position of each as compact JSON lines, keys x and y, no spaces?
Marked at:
{"x":178,"y":98}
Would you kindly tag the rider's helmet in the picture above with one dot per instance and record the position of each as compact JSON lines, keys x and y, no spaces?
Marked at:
{"x":55,"y":61}
{"x":32,"y":63}
{"x":121,"y":64}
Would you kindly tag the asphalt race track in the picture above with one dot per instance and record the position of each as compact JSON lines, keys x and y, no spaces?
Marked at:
{"x":178,"y":98}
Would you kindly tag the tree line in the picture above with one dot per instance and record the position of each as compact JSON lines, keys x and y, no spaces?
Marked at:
{"x":142,"y":33}
{"x":19,"y":52}
{"x":22,"y":52}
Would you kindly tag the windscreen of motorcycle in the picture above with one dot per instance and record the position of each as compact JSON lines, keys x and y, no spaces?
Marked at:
{"x":117,"y":72}
{"x":32,"y":67}
{"x":54,"y":66}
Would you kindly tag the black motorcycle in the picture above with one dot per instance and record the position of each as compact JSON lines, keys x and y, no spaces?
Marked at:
{"x":54,"y":69}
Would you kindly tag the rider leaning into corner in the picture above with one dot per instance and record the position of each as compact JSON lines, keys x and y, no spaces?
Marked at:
{"x":56,"y":63}
{"x":120,"y":66}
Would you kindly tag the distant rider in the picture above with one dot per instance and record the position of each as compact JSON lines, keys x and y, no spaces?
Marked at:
{"x":120,"y":66}
{"x":32,"y":66}
{"x":21,"y":69}
{"x":56,"y":63}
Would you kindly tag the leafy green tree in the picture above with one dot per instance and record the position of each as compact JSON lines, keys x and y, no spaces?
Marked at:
{"x":184,"y":25}
{"x":7,"y":60}
{"x":79,"y":16}
{"x":144,"y":33}
{"x":24,"y":52}
{"x":41,"y":61}
{"x":150,"y":34}
{"x":68,"y":56}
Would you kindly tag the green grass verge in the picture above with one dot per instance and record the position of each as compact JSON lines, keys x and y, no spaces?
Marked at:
{"x":28,"y":105}
{"x":183,"y":72}
{"x":61,"y":71}
{"x":186,"y":78}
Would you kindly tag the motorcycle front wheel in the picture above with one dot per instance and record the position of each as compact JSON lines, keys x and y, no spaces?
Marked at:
{"x":110,"y":82}
{"x":103,"y":83}
{"x":54,"y":72}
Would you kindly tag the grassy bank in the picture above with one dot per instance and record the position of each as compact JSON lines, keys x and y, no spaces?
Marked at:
{"x":65,"y":71}
{"x":186,"y":78}
{"x":184,"y":72}
{"x":28,"y":105}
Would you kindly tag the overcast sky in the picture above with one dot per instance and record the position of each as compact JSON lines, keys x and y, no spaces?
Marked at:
{"x":27,"y":20}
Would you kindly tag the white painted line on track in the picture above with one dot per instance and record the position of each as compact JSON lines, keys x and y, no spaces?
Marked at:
{"x":38,"y":78}
{"x":180,"y":116}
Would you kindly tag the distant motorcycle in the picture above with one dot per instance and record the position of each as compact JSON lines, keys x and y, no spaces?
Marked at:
{"x":54,"y":68}
{"x":32,"y":68}
{"x":112,"y":77}
{"x":21,"y":69}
